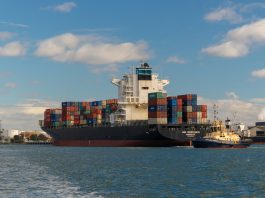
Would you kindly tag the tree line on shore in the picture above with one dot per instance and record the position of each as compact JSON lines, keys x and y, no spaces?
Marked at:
{"x":34,"y":137}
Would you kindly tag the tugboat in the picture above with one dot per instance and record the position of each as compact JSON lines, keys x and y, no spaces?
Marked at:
{"x":221,"y":137}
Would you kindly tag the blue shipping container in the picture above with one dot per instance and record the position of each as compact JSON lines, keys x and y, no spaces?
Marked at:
{"x":158,"y":108}
{"x":172,"y":120}
{"x":172,"y":102}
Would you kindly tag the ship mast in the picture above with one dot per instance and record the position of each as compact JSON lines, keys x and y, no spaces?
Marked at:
{"x":215,"y":112}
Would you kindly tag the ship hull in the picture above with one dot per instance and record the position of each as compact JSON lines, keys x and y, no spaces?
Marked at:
{"x":203,"y":143}
{"x":124,"y":136}
{"x":120,"y":143}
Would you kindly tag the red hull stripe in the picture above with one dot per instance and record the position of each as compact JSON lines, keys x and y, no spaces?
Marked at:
{"x":121,"y":143}
{"x":227,"y":147}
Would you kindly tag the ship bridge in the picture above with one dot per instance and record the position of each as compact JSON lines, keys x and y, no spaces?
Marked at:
{"x":133,"y":89}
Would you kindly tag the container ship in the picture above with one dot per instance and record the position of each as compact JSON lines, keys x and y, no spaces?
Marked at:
{"x":142,"y":115}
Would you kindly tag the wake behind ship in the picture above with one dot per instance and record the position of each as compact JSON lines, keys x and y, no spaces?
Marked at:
{"x":143,"y":115}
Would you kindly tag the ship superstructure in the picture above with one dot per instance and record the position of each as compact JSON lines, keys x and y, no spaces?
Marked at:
{"x":133,"y":92}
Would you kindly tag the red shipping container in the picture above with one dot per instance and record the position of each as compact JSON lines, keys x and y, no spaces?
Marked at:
{"x":179,"y":102}
{"x":157,"y":114}
{"x":97,"y":111}
{"x":204,"y":108}
{"x":179,"y":107}
{"x":159,"y":101}
{"x":47,"y":110}
{"x":185,"y":97}
{"x":179,"y":121}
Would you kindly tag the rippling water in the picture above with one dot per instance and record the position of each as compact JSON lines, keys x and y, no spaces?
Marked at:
{"x":48,"y":171}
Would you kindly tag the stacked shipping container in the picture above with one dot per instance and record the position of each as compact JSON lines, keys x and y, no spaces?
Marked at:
{"x":157,"y":108}
{"x":53,"y":117}
{"x":88,"y":113}
{"x":161,"y":110}
{"x":179,"y":109}
{"x":192,"y":112}
{"x":174,"y":110}
{"x":81,"y":113}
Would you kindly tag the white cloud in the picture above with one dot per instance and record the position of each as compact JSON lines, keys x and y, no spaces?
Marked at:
{"x":258,"y":100}
{"x":14,"y":24}
{"x":25,"y":116}
{"x":238,"y":42}
{"x":250,"y":7}
{"x":112,"y":68}
{"x":235,"y":13}
{"x":90,"y":50}
{"x":248,"y":112}
{"x":175,"y":59}
{"x":228,"y":49}
{"x":11,"y":85}
{"x":262,"y":115}
{"x":232,"y":95}
{"x":12,"y":49}
{"x":6,"y":35}
{"x":221,"y":14}
{"x":65,"y":7}
{"x":258,"y":73}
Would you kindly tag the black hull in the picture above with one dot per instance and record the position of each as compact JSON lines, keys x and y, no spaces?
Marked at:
{"x":202,"y":143}
{"x":132,"y":136}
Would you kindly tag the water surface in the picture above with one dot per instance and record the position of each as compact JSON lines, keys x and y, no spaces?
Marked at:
{"x":49,"y":171}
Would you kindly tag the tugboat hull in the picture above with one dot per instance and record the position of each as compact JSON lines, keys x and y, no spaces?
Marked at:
{"x":202,"y":143}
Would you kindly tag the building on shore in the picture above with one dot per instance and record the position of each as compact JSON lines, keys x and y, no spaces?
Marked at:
{"x":257,"y":131}
{"x":6,"y":136}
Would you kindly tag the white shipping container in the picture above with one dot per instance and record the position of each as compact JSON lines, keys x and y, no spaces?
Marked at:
{"x":187,"y":109}
{"x":57,"y":111}
{"x":104,"y":102}
{"x":204,"y":120}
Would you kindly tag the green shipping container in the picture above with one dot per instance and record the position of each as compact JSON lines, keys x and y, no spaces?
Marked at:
{"x":157,"y":95}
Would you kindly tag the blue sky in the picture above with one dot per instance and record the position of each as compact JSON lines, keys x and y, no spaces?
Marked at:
{"x":53,"y":51}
